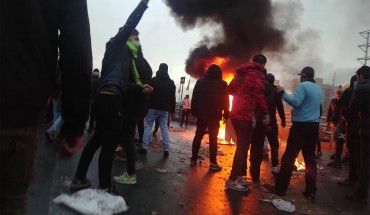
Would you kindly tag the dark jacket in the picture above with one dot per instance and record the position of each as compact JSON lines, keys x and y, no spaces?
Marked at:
{"x":95,"y":86}
{"x":210,"y":97}
{"x":135,"y":102}
{"x":334,"y":114}
{"x":361,"y":103}
{"x":348,"y":114}
{"x":274,"y":102}
{"x":29,"y":53}
{"x":248,"y":91}
{"x":117,"y":57}
{"x":163,"y":96}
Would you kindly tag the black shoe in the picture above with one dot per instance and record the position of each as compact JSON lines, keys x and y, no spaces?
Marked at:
{"x":356,"y":198}
{"x":335,"y":164}
{"x":333,"y":156}
{"x":166,"y":154}
{"x":193,"y":163}
{"x":79,"y":184}
{"x":318,"y":155}
{"x":272,"y":189}
{"x":347,"y":182}
{"x":310,"y":196}
{"x":142,"y":151}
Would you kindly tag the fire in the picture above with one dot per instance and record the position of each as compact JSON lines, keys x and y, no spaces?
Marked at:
{"x":300,"y":165}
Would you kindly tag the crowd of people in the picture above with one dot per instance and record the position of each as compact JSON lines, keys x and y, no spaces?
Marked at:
{"x":124,"y":95}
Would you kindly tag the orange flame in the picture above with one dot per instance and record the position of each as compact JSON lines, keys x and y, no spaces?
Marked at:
{"x":300,"y":165}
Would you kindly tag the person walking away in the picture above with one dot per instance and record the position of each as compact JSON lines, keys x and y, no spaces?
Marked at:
{"x":95,"y":87}
{"x":361,"y":103}
{"x":303,"y":134}
{"x":109,"y":105}
{"x":162,"y":100}
{"x":186,"y":108}
{"x":32,"y":32}
{"x":210,"y":104}
{"x":247,"y":89}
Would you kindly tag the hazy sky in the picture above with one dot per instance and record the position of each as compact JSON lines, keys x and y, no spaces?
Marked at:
{"x":323,"y":34}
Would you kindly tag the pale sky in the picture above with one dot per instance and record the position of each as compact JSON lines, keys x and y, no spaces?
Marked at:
{"x":325,"y":34}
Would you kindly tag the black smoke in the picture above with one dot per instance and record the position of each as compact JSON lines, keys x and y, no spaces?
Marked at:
{"x":243,"y":28}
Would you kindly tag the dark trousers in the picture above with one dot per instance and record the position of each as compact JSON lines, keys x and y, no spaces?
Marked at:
{"x":107,"y":135}
{"x":302,"y":136}
{"x":185,"y":114}
{"x":244,"y":131}
{"x":18,"y":147}
{"x":256,"y":153}
{"x":127,"y":137}
{"x":272,"y":136}
{"x":92,"y":117}
{"x":140,"y":129}
{"x":339,"y":140}
{"x":213,"y":126}
{"x":353,"y":146}
{"x":363,"y":186}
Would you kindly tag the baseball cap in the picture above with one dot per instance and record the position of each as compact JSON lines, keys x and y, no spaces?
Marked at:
{"x":307,"y":72}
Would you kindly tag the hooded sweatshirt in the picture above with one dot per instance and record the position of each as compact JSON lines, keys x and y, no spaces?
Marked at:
{"x":163,"y":96}
{"x":210,"y":96}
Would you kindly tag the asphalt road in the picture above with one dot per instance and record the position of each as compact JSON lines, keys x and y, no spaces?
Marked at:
{"x":184,"y":189}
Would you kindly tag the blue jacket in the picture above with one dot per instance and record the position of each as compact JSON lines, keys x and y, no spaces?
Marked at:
{"x":305,"y":102}
{"x":117,"y":58}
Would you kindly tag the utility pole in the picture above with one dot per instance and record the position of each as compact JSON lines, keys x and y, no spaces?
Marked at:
{"x":365,"y":47}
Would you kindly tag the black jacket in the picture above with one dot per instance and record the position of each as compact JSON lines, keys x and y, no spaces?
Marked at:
{"x":274,"y":102}
{"x":361,"y":103}
{"x":117,"y":57}
{"x":163,"y":96}
{"x":29,"y":53}
{"x":210,"y":97}
{"x":349,"y":115}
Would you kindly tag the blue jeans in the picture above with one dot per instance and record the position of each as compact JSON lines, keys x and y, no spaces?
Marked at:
{"x":56,"y":112}
{"x":162,"y":117}
{"x":54,"y":128}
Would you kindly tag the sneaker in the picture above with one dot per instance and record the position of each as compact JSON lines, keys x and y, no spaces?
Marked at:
{"x":166,"y":154}
{"x":49,"y":135}
{"x":111,"y":191}
{"x":347,"y":182}
{"x":272,"y":189}
{"x":79,"y":184}
{"x":243,"y":182}
{"x":310,"y":196}
{"x":235,"y":186}
{"x":215,"y":167}
{"x":333,"y":156}
{"x":275,"y":170}
{"x":142,"y":151}
{"x":125,"y":179}
{"x":335,"y":164}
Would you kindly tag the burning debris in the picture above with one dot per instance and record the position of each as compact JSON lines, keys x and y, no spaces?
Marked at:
{"x":242,"y":29}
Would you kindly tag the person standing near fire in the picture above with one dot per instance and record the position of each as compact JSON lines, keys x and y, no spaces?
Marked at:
{"x":334,"y":116}
{"x":210,"y":104}
{"x":275,"y":103}
{"x":361,"y":103}
{"x":303,"y":134}
{"x":248,"y":106}
{"x":186,"y":108}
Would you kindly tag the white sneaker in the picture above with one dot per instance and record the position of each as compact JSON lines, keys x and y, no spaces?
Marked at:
{"x":275,"y":170}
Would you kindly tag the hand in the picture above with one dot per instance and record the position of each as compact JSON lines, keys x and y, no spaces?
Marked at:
{"x":266,"y":120}
{"x":279,"y":89}
{"x":147,"y":88}
{"x":283,"y":124}
{"x":67,"y":148}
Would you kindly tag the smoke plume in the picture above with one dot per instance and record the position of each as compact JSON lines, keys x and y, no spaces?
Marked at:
{"x":243,"y":28}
